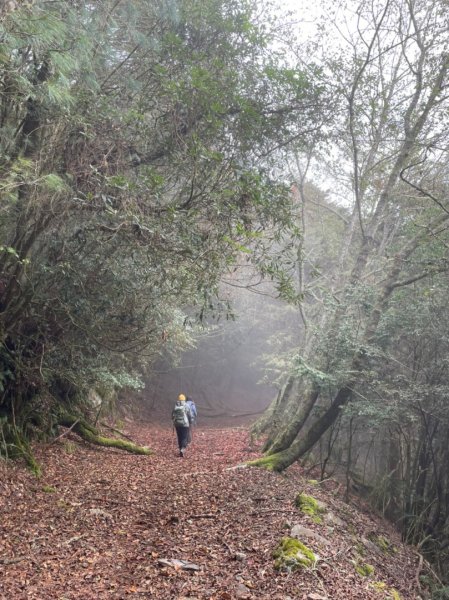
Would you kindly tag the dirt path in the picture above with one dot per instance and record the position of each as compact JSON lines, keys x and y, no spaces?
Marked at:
{"x":98,"y":522}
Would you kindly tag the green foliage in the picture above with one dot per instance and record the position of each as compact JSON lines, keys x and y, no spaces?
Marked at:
{"x":53,"y":183}
{"x":14,"y":444}
{"x":130,"y":182}
{"x":434,"y":587}
{"x":320,"y":378}
{"x":69,"y":447}
{"x":441,"y":593}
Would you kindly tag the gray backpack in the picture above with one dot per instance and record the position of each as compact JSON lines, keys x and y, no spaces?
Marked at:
{"x":180,"y":415}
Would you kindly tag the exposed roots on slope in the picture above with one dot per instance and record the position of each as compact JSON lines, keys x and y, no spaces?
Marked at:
{"x":270,"y":463}
{"x":90,"y":434}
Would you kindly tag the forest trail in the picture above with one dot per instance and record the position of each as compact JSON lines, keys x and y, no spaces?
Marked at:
{"x":98,"y":522}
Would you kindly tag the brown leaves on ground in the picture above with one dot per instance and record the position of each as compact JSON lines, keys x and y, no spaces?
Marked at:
{"x":103,"y":524}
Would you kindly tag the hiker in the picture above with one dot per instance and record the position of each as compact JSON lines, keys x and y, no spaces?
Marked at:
{"x":194,"y":414}
{"x":181,"y":418}
{"x":192,"y":407}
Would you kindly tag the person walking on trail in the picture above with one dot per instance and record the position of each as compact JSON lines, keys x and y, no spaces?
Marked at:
{"x":181,"y":418}
{"x":194,"y":414}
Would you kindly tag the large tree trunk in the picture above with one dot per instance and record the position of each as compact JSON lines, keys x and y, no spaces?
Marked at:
{"x":264,"y":422}
{"x":298,"y":408}
{"x":282,"y":460}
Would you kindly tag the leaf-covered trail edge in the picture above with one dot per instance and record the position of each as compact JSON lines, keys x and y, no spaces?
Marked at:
{"x":97,"y":522}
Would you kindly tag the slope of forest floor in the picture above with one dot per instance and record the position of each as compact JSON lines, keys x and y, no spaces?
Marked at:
{"x":99,"y":522}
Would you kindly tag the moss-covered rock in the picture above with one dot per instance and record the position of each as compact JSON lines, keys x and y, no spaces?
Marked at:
{"x":387,"y":592}
{"x":364,"y":569}
{"x":379,"y":586}
{"x":384,"y":544}
{"x":310,"y":506}
{"x":292,"y":554}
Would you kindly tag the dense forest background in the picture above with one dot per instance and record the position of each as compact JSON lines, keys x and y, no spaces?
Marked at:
{"x":160,"y":160}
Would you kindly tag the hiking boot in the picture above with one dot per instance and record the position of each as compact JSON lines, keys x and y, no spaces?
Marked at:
{"x":181,"y":453}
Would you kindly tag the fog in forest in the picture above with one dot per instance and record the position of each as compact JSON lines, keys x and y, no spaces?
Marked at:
{"x":234,"y":370}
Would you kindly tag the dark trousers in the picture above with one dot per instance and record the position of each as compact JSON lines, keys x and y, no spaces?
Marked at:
{"x":183,"y":436}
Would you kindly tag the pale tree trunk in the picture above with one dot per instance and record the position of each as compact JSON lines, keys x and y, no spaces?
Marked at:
{"x":294,"y":413}
{"x":300,"y":402}
{"x":297,"y":398}
{"x":264,"y":422}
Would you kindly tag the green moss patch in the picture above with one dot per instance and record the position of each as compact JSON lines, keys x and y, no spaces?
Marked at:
{"x":291,"y":554}
{"x":266,"y":462}
{"x":382,"y":543}
{"x":364,"y":569}
{"x":310,"y":506}
{"x":387,"y":592}
{"x":69,"y":447}
{"x":91,"y":434}
{"x":49,"y":489}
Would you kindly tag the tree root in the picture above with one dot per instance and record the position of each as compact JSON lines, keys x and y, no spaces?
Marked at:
{"x":90,"y":434}
{"x":278,"y":461}
{"x":270,"y":463}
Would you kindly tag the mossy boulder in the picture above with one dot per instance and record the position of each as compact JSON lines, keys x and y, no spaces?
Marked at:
{"x":333,"y":520}
{"x":299,"y":532}
{"x":291,"y":554}
{"x":310,"y":506}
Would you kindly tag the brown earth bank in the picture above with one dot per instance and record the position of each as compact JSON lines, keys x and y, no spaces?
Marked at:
{"x":99,"y":522}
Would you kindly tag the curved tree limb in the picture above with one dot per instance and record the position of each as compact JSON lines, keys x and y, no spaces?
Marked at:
{"x":92,"y":435}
